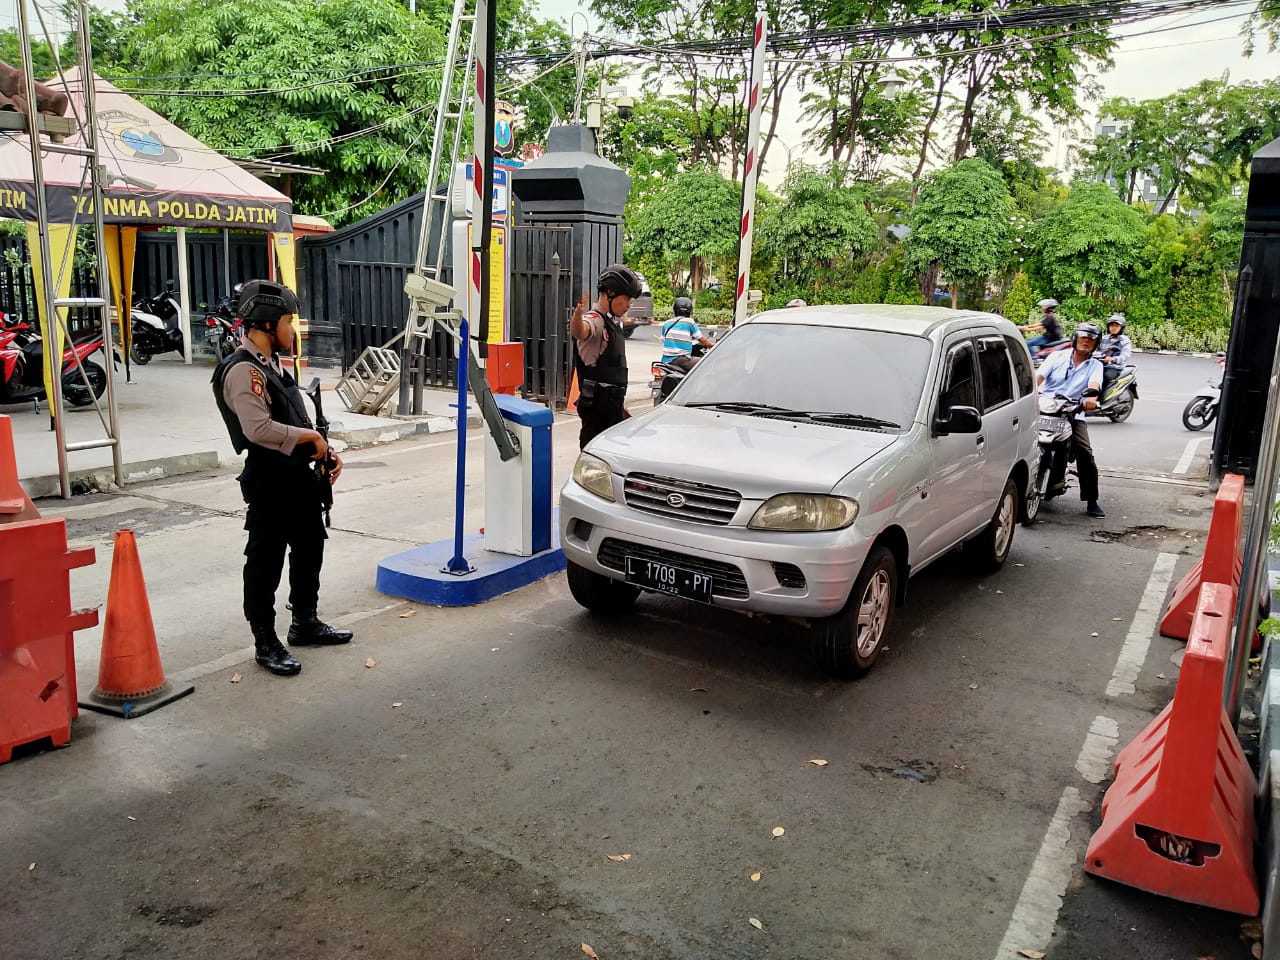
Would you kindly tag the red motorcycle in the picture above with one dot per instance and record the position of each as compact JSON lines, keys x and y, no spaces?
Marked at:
{"x":22,"y":367}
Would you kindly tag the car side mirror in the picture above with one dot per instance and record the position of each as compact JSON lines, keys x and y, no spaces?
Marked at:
{"x":959,"y":420}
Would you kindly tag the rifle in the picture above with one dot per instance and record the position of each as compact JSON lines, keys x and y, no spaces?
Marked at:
{"x":323,"y":467}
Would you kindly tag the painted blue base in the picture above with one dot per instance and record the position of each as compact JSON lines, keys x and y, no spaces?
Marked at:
{"x":417,"y":575}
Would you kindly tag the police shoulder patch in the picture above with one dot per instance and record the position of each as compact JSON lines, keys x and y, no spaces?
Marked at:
{"x":257,"y":382}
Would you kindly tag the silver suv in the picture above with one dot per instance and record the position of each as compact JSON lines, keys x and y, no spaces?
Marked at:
{"x":811,"y":463}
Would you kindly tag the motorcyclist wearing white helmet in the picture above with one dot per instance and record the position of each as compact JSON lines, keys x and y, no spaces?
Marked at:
{"x":1049,"y":323}
{"x":1077,"y":375}
{"x":1114,"y":351}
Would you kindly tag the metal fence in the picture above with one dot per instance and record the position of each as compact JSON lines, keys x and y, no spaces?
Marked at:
{"x":540,"y":303}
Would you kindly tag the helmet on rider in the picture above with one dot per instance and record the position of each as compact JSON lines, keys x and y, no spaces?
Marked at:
{"x":1047,"y":304}
{"x":262,"y":303}
{"x":1086,"y":330}
{"x":797,"y":302}
{"x":1113,"y":320}
{"x":683,"y":307}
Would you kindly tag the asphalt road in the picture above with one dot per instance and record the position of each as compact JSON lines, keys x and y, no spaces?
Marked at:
{"x":463,"y":795}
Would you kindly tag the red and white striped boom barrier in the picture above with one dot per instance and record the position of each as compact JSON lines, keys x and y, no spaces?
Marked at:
{"x":750,"y":170}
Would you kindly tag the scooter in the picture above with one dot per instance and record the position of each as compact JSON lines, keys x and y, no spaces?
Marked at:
{"x":1202,"y":410}
{"x":22,"y":370}
{"x":1119,"y":397}
{"x":668,"y":374}
{"x":155,"y":326}
{"x":1053,"y":434}
{"x":223,"y":329}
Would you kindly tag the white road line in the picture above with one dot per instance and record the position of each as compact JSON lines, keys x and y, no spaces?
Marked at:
{"x":1036,"y":913}
{"x":1189,"y":454}
{"x":1094,"y":762}
{"x":245,"y":654}
{"x":1134,"y":651}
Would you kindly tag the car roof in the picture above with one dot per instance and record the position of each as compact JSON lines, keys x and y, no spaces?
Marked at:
{"x":918,"y":321}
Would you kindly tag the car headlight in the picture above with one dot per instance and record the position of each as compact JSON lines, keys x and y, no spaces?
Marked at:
{"x":592,"y":473}
{"x":805,"y":512}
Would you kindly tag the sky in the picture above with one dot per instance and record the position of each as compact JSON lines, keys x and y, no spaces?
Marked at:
{"x":1187,"y":50}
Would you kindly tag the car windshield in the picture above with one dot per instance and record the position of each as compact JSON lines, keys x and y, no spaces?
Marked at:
{"x":843,"y":376}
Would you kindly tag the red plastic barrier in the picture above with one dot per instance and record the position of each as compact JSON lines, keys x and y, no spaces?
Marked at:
{"x":1178,"y":821}
{"x":37,"y":653}
{"x":15,"y":505}
{"x":1220,"y":564}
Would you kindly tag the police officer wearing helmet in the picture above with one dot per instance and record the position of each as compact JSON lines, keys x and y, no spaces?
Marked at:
{"x":599,"y":351}
{"x":266,"y":415}
{"x":1077,"y":375}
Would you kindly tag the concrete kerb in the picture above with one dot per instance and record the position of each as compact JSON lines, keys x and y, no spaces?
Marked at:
{"x":103,"y":478}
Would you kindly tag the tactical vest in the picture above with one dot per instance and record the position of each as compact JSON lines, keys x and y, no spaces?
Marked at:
{"x":611,"y":367}
{"x":266,"y":468}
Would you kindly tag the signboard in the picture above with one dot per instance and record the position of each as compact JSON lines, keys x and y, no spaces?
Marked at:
{"x":501,"y":194}
{"x":504,"y":118}
{"x":499,"y":271}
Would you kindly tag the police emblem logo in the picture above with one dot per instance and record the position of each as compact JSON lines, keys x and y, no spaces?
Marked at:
{"x":257,"y":383}
{"x":504,"y":118}
{"x":134,"y":137}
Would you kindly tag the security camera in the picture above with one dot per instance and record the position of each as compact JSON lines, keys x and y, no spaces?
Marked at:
{"x":624,"y":105}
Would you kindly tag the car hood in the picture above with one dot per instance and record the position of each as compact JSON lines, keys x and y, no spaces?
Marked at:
{"x":756,"y":456}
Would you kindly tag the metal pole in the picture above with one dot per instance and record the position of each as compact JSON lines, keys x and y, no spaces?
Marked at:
{"x":89,"y":79}
{"x":53,"y":363}
{"x":457,"y":564}
{"x":1254,"y":551}
{"x":482,"y":210}
{"x":184,"y":296}
{"x":751,"y":169}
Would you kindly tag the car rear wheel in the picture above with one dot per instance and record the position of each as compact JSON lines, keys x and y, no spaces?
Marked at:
{"x":598,"y":593}
{"x":847,"y":644}
{"x":991,"y":548}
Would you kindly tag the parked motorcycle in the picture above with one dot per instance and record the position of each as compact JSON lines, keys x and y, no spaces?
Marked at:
{"x":1202,"y":410}
{"x":223,"y":329}
{"x":1119,"y":397}
{"x":156,"y":325}
{"x":22,"y":370}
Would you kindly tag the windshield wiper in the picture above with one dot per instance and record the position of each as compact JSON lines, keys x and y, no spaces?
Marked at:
{"x":740,"y":406}
{"x":840,"y":419}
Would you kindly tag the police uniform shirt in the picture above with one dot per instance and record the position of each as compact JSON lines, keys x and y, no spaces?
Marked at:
{"x":592,"y":346}
{"x":245,"y":390}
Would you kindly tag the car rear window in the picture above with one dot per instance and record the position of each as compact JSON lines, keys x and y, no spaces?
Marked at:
{"x":870,"y":373}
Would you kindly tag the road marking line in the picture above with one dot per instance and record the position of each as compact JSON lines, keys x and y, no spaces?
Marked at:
{"x":1094,"y":762}
{"x":1035,"y":915}
{"x":1189,"y":454}
{"x":245,"y":654}
{"x":1134,"y":652}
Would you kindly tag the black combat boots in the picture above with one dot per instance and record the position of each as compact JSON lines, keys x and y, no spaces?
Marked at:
{"x":309,"y":630}
{"x":271,"y":653}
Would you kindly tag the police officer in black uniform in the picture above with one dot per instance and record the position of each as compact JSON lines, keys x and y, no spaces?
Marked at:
{"x":600,"y":353}
{"x":266,"y":414}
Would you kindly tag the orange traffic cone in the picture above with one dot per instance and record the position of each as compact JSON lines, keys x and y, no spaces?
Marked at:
{"x":130,"y":679}
{"x":14,"y":503}
{"x":572,"y":405}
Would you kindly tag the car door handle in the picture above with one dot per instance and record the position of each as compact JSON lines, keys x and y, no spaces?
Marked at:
{"x":981,"y":440}
{"x":1015,"y":421}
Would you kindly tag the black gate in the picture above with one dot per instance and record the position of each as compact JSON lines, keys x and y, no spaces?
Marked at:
{"x":540,"y":303}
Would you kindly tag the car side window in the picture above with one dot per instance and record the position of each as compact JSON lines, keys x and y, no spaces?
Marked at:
{"x":997,"y":378}
{"x":1022,"y":370}
{"x":960,"y":385}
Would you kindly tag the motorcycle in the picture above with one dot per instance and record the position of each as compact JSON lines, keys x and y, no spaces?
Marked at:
{"x":667,"y":374}
{"x":1202,"y":410}
{"x":1118,"y":398}
{"x":22,"y":370}
{"x":1053,"y":435}
{"x":223,"y":329}
{"x":156,"y":326}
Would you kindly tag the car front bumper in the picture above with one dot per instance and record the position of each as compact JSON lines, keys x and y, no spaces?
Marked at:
{"x":785,"y":574}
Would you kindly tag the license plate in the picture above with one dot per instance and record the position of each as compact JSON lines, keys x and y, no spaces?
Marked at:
{"x":213,"y":336}
{"x":668,"y":578}
{"x":1051,"y":424}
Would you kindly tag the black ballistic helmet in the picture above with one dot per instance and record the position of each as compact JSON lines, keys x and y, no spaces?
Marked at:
{"x":683,"y":307}
{"x":262,"y":303}
{"x":619,"y":280}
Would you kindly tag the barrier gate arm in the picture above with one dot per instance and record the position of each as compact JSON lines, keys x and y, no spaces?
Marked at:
{"x":508,"y":446}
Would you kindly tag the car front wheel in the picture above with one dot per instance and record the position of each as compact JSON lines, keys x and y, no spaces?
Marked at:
{"x":847,"y":644}
{"x":598,"y":593}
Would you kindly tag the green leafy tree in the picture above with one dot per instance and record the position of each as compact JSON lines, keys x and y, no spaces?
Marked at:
{"x":1090,"y":245}
{"x":331,"y":100}
{"x":692,"y":220}
{"x":817,"y":222}
{"x":1164,"y":250}
{"x":962,"y":225}
{"x":1020,"y":300}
